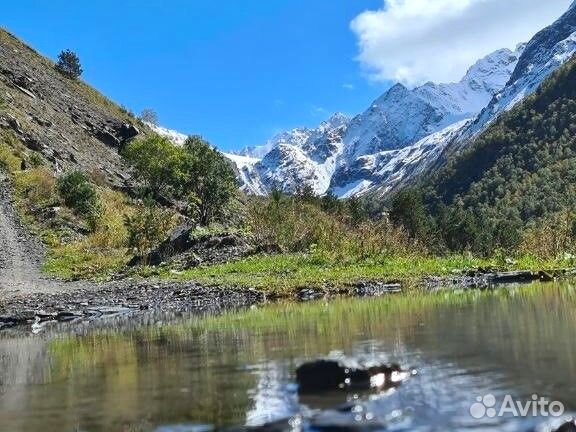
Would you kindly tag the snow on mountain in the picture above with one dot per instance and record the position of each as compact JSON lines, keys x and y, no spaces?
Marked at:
{"x":351,"y":156}
{"x":401,"y":118}
{"x":388,"y":169}
{"x":405,"y":130}
{"x":303,"y":157}
{"x":482,"y":81}
{"x":174,"y":136}
{"x":546,"y":52}
{"x":245,"y":171}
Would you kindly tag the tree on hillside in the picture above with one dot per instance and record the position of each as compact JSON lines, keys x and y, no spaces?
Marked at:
{"x":148,"y":115}
{"x":196,"y":173}
{"x":69,"y":64}
{"x":158,"y":165}
{"x":408,"y":211}
{"x":212,"y":181}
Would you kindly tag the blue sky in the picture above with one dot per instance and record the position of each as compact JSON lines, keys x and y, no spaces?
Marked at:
{"x":239,"y":71}
{"x":233,"y":71}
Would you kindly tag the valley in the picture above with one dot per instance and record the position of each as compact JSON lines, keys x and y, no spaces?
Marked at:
{"x":418,"y":257}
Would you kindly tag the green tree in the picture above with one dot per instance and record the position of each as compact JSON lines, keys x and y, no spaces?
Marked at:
{"x":69,"y":64}
{"x":408,"y":210}
{"x":211,"y":182}
{"x":80,"y":195}
{"x":159,"y":165}
{"x":148,"y":115}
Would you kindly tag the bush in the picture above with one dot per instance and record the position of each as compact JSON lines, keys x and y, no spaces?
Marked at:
{"x":37,"y":186}
{"x":298,"y":226}
{"x":211,"y":181}
{"x":149,"y":116}
{"x":147,"y":227}
{"x":158,"y":164}
{"x":69,"y":64}
{"x":80,"y":195}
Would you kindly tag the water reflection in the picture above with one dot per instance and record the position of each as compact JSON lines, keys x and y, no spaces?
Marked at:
{"x":237,"y":369}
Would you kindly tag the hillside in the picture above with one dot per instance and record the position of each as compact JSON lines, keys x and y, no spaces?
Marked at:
{"x":67,"y":121}
{"x":519,"y":173}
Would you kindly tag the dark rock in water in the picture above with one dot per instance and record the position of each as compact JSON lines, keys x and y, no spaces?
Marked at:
{"x":569,"y":426}
{"x":276,"y":426}
{"x":328,"y":375}
{"x":309,"y":294}
{"x":546,"y":277}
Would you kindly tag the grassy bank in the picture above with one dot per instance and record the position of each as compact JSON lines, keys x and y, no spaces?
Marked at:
{"x":285,"y":274}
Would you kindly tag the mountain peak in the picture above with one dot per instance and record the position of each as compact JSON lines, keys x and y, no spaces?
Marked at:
{"x":336,"y":120}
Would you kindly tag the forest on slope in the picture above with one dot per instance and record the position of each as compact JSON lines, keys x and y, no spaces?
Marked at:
{"x":516,"y":182}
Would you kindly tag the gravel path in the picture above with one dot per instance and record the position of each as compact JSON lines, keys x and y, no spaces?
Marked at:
{"x":21,"y":255}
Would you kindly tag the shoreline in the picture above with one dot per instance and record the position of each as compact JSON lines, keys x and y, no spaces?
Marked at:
{"x":130,"y":296}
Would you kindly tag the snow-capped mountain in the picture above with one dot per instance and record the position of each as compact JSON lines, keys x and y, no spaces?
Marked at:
{"x":351,"y":156}
{"x":302,"y":157}
{"x":403,"y":132}
{"x":546,"y":52}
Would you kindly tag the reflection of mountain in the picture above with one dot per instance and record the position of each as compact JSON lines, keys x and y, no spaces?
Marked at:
{"x":232,"y":369}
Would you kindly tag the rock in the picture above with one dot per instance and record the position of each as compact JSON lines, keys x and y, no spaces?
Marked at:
{"x":329,"y":375}
{"x":309,"y":294}
{"x":375,"y":289}
{"x":126,"y":132}
{"x":189,"y":251}
{"x":515,"y":277}
{"x":68,"y":315}
{"x":546,"y":277}
{"x":569,"y":426}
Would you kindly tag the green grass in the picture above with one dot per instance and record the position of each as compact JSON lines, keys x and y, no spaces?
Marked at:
{"x":283,"y":274}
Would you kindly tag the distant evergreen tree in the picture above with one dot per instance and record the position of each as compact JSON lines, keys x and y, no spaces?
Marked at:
{"x":408,"y":210}
{"x":69,"y":64}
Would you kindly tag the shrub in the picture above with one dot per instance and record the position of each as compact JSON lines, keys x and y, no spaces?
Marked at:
{"x":69,"y":64}
{"x":210,"y":180}
{"x":551,"y":238}
{"x":148,"y":226}
{"x":158,"y":164}
{"x":298,"y":226}
{"x":80,"y":195}
{"x":37,"y":186}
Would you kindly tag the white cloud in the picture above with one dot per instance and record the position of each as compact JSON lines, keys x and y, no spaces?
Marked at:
{"x":317,"y":111}
{"x":348,"y":86}
{"x":413,"y":41}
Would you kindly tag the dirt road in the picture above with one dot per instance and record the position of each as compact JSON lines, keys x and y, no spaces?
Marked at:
{"x":21,"y":255}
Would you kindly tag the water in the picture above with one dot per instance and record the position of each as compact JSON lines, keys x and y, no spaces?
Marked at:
{"x":182,"y":374}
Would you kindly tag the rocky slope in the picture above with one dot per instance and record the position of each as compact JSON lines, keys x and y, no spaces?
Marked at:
{"x":403,"y":133}
{"x":68,"y":122}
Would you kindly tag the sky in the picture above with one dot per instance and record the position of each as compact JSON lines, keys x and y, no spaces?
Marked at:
{"x":238,"y":72}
